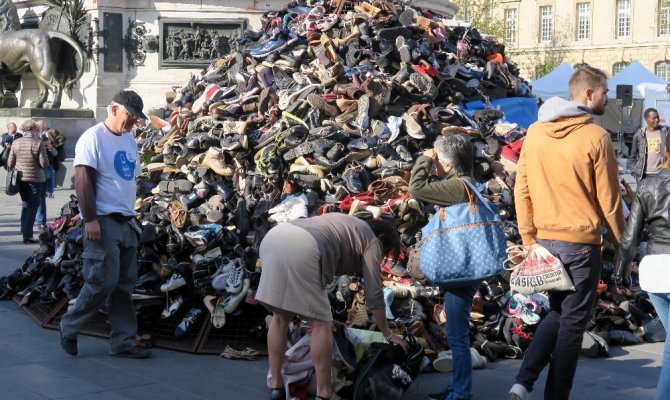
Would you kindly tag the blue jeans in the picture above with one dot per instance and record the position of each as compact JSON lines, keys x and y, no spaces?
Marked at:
{"x":457,"y":307}
{"x":30,"y":193}
{"x":42,"y":207}
{"x":662,"y":305}
{"x":561,"y":332}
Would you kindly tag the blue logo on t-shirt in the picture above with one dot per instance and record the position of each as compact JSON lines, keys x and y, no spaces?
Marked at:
{"x":124,"y":166}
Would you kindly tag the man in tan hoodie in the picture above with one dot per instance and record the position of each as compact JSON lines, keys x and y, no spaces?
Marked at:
{"x":567,"y":188}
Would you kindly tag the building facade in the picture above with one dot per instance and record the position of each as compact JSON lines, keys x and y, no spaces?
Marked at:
{"x":607,"y":34}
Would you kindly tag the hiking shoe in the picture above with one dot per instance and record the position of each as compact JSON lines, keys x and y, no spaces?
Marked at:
{"x":133,"y":352}
{"x":175,"y":282}
{"x":69,"y":345}
{"x":517,"y":392}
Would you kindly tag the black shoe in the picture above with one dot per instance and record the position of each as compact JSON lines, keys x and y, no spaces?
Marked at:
{"x":133,"y":352}
{"x":69,"y":345}
{"x":277,"y":394}
{"x":30,"y":241}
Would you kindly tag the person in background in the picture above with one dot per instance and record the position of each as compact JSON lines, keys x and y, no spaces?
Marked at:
{"x":48,"y":190}
{"x":58,"y":140}
{"x":294,"y":283}
{"x":647,"y":149}
{"x":9,"y":136}
{"x":650,"y":207}
{"x":49,"y":172}
{"x":106,"y":165}
{"x":6,"y":142}
{"x":567,"y":188}
{"x":451,"y":159}
{"x":28,"y":155}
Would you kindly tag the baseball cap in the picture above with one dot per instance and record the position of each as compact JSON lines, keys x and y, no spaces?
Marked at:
{"x":131,"y":101}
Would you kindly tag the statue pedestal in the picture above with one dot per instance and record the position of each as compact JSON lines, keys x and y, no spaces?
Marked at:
{"x":70,"y":123}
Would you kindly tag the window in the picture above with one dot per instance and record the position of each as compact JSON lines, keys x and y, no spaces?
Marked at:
{"x":662,"y":70}
{"x":664,"y":17}
{"x":510,"y":25}
{"x":546,"y":24}
{"x":618,"y":66}
{"x":583,"y":21}
{"x":623,"y":18}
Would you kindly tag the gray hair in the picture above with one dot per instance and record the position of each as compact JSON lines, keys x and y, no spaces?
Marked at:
{"x":456,"y":150}
{"x":28,"y":125}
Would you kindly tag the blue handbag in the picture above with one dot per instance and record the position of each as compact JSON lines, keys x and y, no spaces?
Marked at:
{"x":463,"y":243}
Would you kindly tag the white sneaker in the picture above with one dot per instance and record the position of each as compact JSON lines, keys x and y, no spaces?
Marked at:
{"x":478,"y":360}
{"x":175,"y":282}
{"x":233,"y":301}
{"x":518,"y":392}
{"x":444,"y":362}
{"x":172,"y":306}
{"x":236,"y":277}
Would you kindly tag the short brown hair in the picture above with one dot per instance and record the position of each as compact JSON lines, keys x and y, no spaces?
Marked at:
{"x":586,"y":77}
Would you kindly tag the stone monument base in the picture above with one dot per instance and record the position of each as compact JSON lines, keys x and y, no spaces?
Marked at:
{"x":71,"y":123}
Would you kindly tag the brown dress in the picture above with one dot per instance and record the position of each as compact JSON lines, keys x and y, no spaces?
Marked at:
{"x":299,"y":258}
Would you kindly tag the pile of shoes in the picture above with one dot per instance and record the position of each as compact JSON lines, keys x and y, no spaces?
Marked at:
{"x":323,"y":110}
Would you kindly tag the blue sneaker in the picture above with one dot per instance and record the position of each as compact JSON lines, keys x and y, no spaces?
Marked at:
{"x":268,"y":48}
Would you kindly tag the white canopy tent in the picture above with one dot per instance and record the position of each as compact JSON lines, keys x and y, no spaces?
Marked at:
{"x":554,"y":83}
{"x":649,"y":91}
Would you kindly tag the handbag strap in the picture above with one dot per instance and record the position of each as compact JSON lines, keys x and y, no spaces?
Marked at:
{"x":469,"y":189}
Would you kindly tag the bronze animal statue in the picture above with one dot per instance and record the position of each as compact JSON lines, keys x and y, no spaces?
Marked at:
{"x":34,"y":49}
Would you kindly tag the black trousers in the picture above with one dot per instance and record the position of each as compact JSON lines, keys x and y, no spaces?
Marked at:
{"x":558,"y":338}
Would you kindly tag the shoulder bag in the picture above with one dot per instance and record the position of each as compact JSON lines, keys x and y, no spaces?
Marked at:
{"x":13,"y":181}
{"x":464,"y":243}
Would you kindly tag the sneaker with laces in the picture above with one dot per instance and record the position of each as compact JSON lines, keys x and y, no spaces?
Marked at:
{"x":189,"y":320}
{"x":518,"y":392}
{"x":233,"y":301}
{"x":236,"y":278}
{"x":175,"y":282}
{"x":172,"y":306}
{"x":515,"y":307}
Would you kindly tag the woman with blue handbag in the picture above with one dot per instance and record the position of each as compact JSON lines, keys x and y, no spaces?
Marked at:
{"x":437,"y":178}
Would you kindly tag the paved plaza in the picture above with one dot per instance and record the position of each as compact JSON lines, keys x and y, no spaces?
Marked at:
{"x":33,"y":366}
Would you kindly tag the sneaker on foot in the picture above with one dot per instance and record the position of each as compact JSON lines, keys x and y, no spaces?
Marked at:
{"x":517,"y":392}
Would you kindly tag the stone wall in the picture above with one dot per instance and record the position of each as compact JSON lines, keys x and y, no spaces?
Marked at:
{"x":97,"y":87}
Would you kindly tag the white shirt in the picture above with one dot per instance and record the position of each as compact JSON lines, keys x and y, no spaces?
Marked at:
{"x":116,"y":160}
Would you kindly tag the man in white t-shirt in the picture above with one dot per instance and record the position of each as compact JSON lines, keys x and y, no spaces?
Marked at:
{"x":106,"y":164}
